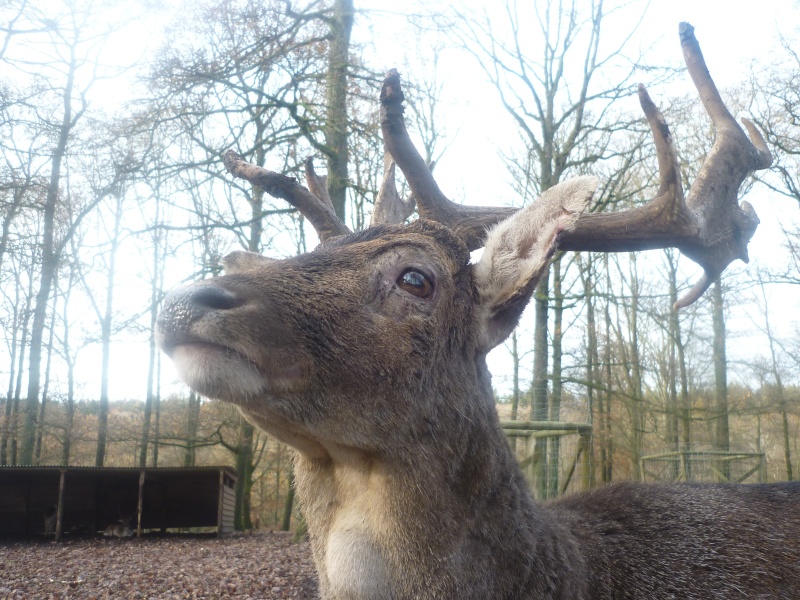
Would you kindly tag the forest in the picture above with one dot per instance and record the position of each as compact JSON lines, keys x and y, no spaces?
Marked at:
{"x":114,"y":118}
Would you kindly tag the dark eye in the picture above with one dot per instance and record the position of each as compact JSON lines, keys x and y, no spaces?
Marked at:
{"x":415,"y":282}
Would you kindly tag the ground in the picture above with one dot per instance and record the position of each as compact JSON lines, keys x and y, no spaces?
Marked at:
{"x":258,"y":566}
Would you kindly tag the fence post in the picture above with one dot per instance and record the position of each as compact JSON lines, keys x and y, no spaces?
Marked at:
{"x":586,"y":460}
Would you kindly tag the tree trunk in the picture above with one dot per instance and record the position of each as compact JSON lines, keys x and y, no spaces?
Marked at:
{"x":192,"y":423}
{"x":672,"y":409}
{"x":722,"y":434}
{"x":591,"y":367}
{"x":66,"y":447}
{"x":70,"y":407}
{"x":539,"y":392}
{"x":70,"y":411}
{"x":633,"y":369}
{"x":17,"y":345}
{"x":49,"y":268}
{"x":105,"y":331}
{"x":157,"y":424}
{"x":151,"y":367}
{"x":686,"y":404}
{"x":244,"y":482}
{"x":336,"y":134}
{"x":515,"y":392}
{"x":288,"y":505}
{"x":151,"y":371}
{"x":681,"y":405}
{"x":47,"y":371}
{"x":554,"y":409}
{"x":13,"y":426}
{"x":787,"y":452}
{"x":608,"y":471}
{"x":153,"y":382}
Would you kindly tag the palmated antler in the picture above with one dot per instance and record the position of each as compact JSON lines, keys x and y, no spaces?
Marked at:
{"x":319,"y":212}
{"x":709,"y":226}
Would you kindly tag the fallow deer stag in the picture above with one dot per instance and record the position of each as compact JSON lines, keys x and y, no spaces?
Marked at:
{"x":367,"y":356}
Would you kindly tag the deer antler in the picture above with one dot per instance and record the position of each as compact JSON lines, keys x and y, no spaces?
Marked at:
{"x":469,"y":222}
{"x":389,"y":206}
{"x":319,"y":213}
{"x":709,"y":226}
{"x":317,"y":184}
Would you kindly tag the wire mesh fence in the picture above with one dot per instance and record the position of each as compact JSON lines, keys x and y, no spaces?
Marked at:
{"x":705,"y":466}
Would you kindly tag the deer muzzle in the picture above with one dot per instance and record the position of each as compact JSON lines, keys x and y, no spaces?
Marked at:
{"x":184,"y":307}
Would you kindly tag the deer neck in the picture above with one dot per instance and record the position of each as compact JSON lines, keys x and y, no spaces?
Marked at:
{"x":417,"y":526}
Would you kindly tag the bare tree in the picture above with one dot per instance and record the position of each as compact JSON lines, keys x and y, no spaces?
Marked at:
{"x":776,"y":91}
{"x":566,"y":123}
{"x":67,"y":69}
{"x":104,"y":312}
{"x":776,"y":374}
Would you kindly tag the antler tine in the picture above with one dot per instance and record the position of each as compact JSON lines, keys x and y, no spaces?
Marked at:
{"x":389,"y":206}
{"x":759,"y":154}
{"x":663,"y":222}
{"x":317,"y":184}
{"x":469,"y":222}
{"x":319,"y":214}
{"x":669,"y":173}
{"x":696,"y":65}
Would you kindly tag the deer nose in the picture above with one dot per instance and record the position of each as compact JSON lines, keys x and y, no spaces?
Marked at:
{"x":183,"y":307}
{"x":213,"y":298}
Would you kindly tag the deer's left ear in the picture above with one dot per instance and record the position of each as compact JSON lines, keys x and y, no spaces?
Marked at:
{"x":517,"y":252}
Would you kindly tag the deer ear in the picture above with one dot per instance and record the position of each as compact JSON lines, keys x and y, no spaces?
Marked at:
{"x":517,"y":252}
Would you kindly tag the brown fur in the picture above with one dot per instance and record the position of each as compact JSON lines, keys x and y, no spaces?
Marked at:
{"x":404,"y":475}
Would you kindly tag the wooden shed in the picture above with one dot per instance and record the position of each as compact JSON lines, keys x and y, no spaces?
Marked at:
{"x":89,"y":499}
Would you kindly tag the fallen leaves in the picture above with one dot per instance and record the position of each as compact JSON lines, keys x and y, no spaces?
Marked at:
{"x":258,"y":566}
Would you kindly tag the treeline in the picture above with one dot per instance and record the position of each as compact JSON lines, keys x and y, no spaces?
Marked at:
{"x":106,"y":205}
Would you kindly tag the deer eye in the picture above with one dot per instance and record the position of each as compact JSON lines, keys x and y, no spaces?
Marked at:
{"x":415,"y":282}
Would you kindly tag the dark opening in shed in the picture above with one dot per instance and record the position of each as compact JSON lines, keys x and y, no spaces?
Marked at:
{"x":73,"y":500}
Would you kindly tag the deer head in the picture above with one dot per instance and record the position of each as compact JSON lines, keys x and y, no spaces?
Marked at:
{"x":394,"y":309}
{"x":367,"y":354}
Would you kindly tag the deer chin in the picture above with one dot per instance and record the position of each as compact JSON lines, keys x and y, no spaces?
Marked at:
{"x":226,"y":374}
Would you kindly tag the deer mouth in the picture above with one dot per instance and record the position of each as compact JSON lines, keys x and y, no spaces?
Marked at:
{"x":175,"y":342}
{"x":215,"y":370}
{"x":227,"y":373}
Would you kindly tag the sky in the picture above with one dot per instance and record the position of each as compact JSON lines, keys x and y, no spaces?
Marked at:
{"x":733,"y":35}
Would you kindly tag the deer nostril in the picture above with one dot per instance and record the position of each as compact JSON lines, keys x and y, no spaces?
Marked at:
{"x":185,"y":306}
{"x":209,"y":296}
